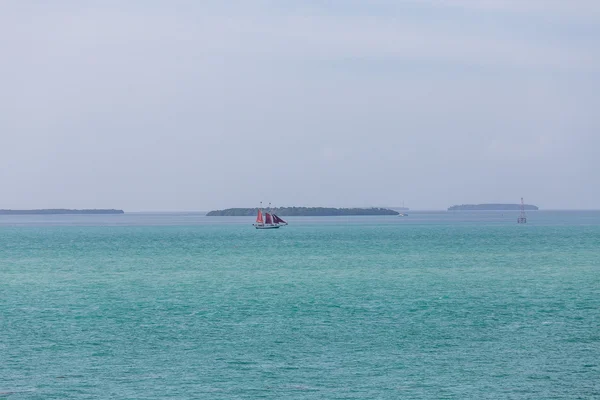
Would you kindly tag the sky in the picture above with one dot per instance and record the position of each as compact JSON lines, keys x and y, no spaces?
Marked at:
{"x":185,"y":105}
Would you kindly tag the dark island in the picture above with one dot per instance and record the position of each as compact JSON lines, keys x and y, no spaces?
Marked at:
{"x":492,"y":207}
{"x":60,"y":211}
{"x":303,"y":212}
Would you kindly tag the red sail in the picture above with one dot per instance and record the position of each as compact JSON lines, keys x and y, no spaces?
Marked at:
{"x":278,"y":220}
{"x":268,"y":219}
{"x":259,"y":218}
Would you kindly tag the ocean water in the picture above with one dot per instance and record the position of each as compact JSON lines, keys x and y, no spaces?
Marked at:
{"x":430,"y":306}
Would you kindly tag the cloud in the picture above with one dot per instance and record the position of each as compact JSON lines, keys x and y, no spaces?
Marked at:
{"x":259,"y":35}
{"x":580,"y":9}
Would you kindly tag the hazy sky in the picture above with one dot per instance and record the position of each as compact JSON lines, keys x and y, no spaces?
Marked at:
{"x":194,"y":105}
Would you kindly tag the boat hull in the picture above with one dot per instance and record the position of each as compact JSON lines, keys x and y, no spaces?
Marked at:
{"x":266,"y":226}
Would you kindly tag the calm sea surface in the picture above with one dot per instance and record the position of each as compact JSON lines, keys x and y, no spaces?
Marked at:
{"x":431,"y":306}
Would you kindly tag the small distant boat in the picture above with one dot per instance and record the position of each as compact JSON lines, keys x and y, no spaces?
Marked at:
{"x":522,"y":217}
{"x":270,"y":221}
{"x":403,"y":215}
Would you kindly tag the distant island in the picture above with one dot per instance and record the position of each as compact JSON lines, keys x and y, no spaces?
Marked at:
{"x":303,"y":212}
{"x":62,"y":211}
{"x":492,"y":207}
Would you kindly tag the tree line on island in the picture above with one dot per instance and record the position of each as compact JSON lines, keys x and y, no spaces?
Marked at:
{"x":303,"y":212}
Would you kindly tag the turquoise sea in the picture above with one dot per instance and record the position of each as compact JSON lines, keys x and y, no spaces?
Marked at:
{"x":430,"y":306}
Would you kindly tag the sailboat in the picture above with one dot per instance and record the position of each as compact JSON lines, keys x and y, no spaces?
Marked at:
{"x":522,"y":217}
{"x":270,"y":221}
